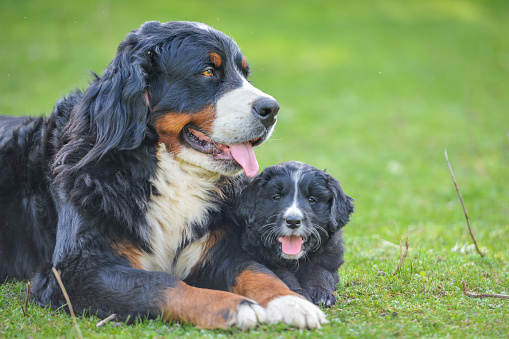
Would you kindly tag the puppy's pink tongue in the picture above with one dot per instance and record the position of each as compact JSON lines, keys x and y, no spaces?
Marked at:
{"x":245,"y":156}
{"x":291,"y":244}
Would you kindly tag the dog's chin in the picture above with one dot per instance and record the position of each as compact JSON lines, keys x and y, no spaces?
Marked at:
{"x":209,"y":164}
{"x":293,"y":256}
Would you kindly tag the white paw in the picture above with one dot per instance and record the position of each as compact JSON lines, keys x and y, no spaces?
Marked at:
{"x":295,"y":311}
{"x":249,"y":315}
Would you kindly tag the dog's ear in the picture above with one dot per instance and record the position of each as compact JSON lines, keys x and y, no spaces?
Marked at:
{"x":246,"y":205}
{"x":117,"y":103}
{"x":341,"y":205}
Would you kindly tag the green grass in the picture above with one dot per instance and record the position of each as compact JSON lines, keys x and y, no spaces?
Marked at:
{"x":374,"y":91}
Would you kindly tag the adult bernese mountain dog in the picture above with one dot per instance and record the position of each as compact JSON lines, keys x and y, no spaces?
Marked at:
{"x":127,"y":188}
{"x":293,"y":214}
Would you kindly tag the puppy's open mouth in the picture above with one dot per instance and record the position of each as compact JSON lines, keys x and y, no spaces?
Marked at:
{"x":242,"y":153}
{"x":291,"y":245}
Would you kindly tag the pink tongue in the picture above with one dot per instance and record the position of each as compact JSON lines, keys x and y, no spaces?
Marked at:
{"x":291,"y":244}
{"x":245,"y":156}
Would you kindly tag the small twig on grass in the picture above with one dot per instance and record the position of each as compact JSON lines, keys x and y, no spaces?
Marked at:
{"x":462,"y":204}
{"x":507,"y":132}
{"x":106,"y":320}
{"x":484,"y":295}
{"x":57,"y":275}
{"x":403,"y":257}
{"x":25,"y":309}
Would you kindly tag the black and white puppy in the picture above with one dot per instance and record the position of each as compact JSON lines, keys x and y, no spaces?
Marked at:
{"x":293,"y":214}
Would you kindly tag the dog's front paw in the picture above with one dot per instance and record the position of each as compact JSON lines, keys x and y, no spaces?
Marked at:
{"x":249,"y":315}
{"x":295,"y":311}
{"x":322,"y":298}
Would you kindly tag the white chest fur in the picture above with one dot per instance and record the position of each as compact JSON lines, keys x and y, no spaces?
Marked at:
{"x":185,"y":196}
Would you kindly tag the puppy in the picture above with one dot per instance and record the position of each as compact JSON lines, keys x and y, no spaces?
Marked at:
{"x":293,"y":214}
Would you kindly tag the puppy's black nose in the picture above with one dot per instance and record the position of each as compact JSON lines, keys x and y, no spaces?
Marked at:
{"x":293,"y":222}
{"x":266,"y":109}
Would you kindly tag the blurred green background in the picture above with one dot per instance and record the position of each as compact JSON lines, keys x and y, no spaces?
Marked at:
{"x":373,"y":91}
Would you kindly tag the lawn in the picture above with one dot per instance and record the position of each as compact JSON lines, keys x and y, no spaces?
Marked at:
{"x":374,"y":92}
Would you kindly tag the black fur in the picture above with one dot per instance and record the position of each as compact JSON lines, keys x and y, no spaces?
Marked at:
{"x":74,"y":184}
{"x":264,"y":209}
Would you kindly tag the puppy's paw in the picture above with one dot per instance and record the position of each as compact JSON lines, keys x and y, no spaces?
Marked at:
{"x":321,"y":298}
{"x":295,"y":311}
{"x":249,"y":315}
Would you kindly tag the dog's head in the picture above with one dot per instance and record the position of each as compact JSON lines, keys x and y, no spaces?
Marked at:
{"x":290,"y":210}
{"x":187,"y":81}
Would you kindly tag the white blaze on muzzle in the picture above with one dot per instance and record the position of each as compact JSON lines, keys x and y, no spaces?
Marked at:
{"x":236,"y":125}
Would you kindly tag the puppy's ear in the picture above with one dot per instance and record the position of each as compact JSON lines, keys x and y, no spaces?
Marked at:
{"x":116,"y":105}
{"x":246,"y":206}
{"x":341,"y":206}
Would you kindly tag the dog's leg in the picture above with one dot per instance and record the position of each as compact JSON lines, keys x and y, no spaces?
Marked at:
{"x":104,"y":286}
{"x":291,"y":281}
{"x":210,"y":308}
{"x":282,"y":305}
{"x":319,"y":283}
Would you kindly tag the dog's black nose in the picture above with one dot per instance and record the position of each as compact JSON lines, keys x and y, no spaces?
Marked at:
{"x":293,"y":222}
{"x":266,"y":109}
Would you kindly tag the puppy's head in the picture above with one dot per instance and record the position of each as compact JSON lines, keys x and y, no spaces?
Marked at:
{"x":188,"y":82}
{"x":290,"y":210}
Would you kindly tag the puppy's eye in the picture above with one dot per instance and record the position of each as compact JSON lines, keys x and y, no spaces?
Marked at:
{"x":276,"y":197}
{"x":312,"y":200}
{"x":208,"y":72}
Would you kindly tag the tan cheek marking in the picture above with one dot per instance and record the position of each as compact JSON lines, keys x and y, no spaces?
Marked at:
{"x":244,"y":63}
{"x":204,"y":308}
{"x":216,"y":59}
{"x":171,"y":141}
{"x":260,"y":287}
{"x":171,"y":124}
{"x":129,"y":251}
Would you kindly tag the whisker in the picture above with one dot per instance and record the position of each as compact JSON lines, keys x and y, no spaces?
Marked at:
{"x":274,"y":234}
{"x":268,"y":239}
{"x":265,"y":237}
{"x":316,"y":226}
{"x":270,"y":233}
{"x":272,"y":216}
{"x":314,"y":232}
{"x":264,"y":226}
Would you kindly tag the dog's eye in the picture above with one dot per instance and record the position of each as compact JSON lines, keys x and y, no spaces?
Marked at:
{"x":312,"y":200}
{"x":208,"y":72}
{"x":276,"y":197}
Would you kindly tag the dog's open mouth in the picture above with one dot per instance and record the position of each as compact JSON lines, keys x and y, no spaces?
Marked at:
{"x":291,"y":245}
{"x":242,"y":153}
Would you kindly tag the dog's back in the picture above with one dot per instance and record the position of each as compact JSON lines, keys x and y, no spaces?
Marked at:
{"x":22,"y":188}
{"x":28,"y":216}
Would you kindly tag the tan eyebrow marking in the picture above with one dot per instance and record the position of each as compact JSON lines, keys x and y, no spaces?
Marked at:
{"x":216,"y":59}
